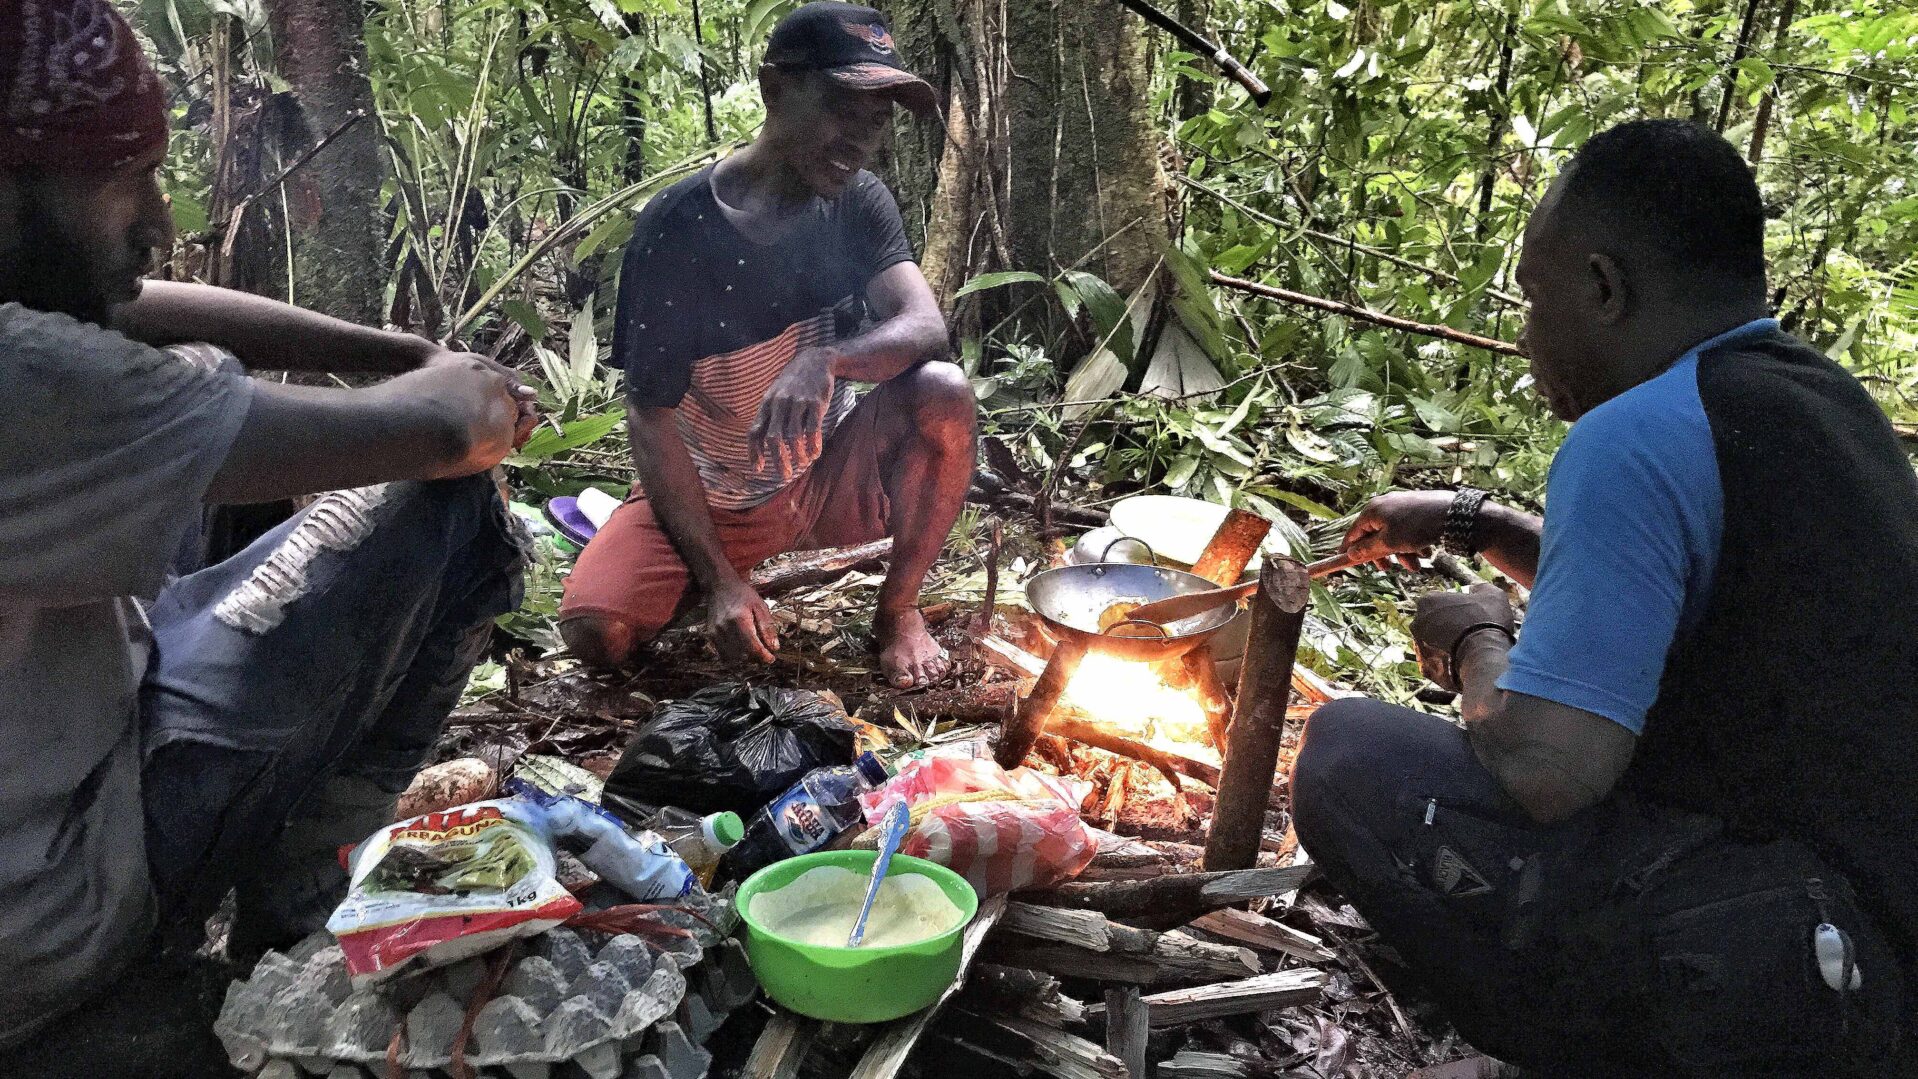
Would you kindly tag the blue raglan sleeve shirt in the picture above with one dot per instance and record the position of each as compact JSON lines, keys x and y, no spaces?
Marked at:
{"x":1633,"y":517}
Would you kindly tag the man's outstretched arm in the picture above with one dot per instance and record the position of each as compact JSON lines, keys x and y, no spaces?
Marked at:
{"x":1407,"y":524}
{"x":454,"y":417}
{"x":266,"y":335}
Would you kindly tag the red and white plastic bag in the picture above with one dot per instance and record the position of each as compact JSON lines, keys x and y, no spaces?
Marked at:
{"x":1001,"y":830}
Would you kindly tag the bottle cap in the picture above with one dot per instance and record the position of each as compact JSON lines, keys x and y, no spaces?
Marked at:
{"x":871,"y":769}
{"x":723,"y":830}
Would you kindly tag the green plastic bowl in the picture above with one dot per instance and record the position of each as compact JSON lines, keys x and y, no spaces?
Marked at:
{"x":854,"y":985}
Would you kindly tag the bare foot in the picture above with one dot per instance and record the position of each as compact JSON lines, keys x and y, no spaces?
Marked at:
{"x":908,"y":656}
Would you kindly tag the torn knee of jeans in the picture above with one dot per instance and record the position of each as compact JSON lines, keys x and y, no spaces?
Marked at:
{"x":337,"y":522}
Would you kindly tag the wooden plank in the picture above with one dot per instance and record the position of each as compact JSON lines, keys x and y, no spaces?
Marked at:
{"x":1263,"y":993}
{"x":1191,"y":1064}
{"x":1086,"y":929}
{"x":1258,"y":931}
{"x":1018,"y":991}
{"x":888,"y":1052}
{"x":1126,"y":1029}
{"x":1051,"y":1051}
{"x":1190,"y":894}
{"x":1171,"y":958}
{"x":781,"y":1048}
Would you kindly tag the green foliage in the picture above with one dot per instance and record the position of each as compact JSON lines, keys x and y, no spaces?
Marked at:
{"x":1403,"y":148}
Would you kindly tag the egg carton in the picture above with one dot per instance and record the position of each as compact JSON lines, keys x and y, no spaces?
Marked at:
{"x":606,"y":1007}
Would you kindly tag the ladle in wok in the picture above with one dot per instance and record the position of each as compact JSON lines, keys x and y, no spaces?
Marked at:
{"x":1191,"y":604}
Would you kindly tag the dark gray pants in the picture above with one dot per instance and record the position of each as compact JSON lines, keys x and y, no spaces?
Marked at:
{"x":333,"y":646}
{"x":1630,"y":940}
{"x":336,"y":644}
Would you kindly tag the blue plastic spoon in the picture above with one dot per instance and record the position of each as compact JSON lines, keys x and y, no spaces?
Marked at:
{"x":892,"y":831}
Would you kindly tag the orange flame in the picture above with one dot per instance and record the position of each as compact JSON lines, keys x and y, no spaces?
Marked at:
{"x":1133,"y":700}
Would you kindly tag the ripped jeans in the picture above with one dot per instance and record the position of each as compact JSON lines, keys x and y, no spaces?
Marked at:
{"x":335,"y":645}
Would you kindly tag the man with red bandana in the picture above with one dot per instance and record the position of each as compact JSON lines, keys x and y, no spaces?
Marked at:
{"x":165,"y":738}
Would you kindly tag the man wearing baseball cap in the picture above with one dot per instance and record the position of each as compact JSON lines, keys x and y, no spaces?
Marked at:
{"x":752,"y":297}
{"x":165,"y":738}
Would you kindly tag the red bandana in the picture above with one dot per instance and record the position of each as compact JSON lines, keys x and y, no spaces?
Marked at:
{"x":76,"y":92}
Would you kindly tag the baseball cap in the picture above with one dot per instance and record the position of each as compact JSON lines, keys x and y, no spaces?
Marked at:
{"x":852,"y":45}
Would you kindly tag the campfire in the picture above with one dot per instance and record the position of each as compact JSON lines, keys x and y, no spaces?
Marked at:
{"x":1136,"y":701}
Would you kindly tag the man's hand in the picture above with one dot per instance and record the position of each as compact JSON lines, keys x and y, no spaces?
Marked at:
{"x":485,"y":411}
{"x":526,"y":399}
{"x":1445,"y":619}
{"x":791,"y":423}
{"x":1402,"y":524}
{"x":740,"y":623}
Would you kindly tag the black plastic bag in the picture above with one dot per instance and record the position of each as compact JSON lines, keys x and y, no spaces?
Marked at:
{"x":730,"y":747}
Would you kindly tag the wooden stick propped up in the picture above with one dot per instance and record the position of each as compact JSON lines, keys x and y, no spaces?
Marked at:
{"x":1258,"y":720}
{"x":1231,"y":548}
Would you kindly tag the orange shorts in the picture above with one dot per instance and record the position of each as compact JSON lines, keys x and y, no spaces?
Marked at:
{"x":632,"y":572}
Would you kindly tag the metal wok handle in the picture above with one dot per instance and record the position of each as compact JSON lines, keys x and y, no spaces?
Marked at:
{"x":1107,"y":632}
{"x":1106,"y":555}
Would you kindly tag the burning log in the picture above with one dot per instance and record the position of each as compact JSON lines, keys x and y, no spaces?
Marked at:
{"x":1251,"y":995}
{"x":1127,"y":1029}
{"x":1202,"y":674}
{"x":1028,"y":721}
{"x":1258,"y":722}
{"x":1258,"y":931}
{"x":1182,"y":896}
{"x":1071,"y":725}
{"x":1116,"y":789}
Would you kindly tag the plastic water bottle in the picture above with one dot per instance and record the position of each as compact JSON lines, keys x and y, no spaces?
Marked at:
{"x":642,"y":865}
{"x":699,"y":841}
{"x":810,"y":815}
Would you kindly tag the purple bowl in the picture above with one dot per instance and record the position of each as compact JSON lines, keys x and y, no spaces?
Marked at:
{"x":563,"y":512}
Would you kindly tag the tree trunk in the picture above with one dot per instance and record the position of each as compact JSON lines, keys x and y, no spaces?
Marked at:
{"x":333,"y":200}
{"x":1761,"y":124}
{"x":1054,"y":167}
{"x":1086,"y":186}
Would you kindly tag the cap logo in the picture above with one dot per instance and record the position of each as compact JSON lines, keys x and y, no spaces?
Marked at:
{"x":873,"y":34}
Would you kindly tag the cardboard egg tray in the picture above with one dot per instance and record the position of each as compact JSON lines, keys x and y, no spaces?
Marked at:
{"x":572,"y":1004}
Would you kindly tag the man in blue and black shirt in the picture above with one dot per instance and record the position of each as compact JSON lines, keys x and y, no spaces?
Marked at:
{"x":752,"y":296}
{"x":1674,"y":834}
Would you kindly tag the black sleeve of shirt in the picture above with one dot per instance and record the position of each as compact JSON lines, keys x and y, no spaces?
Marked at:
{"x":879,"y":232}
{"x":649,"y":339}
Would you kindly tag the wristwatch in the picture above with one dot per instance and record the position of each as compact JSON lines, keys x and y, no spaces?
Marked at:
{"x":1461,"y":522}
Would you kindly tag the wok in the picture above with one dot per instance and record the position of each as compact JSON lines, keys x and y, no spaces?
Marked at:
{"x":1072,"y":599}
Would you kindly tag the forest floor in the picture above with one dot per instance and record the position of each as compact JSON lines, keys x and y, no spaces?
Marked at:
{"x":1359,"y":1029}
